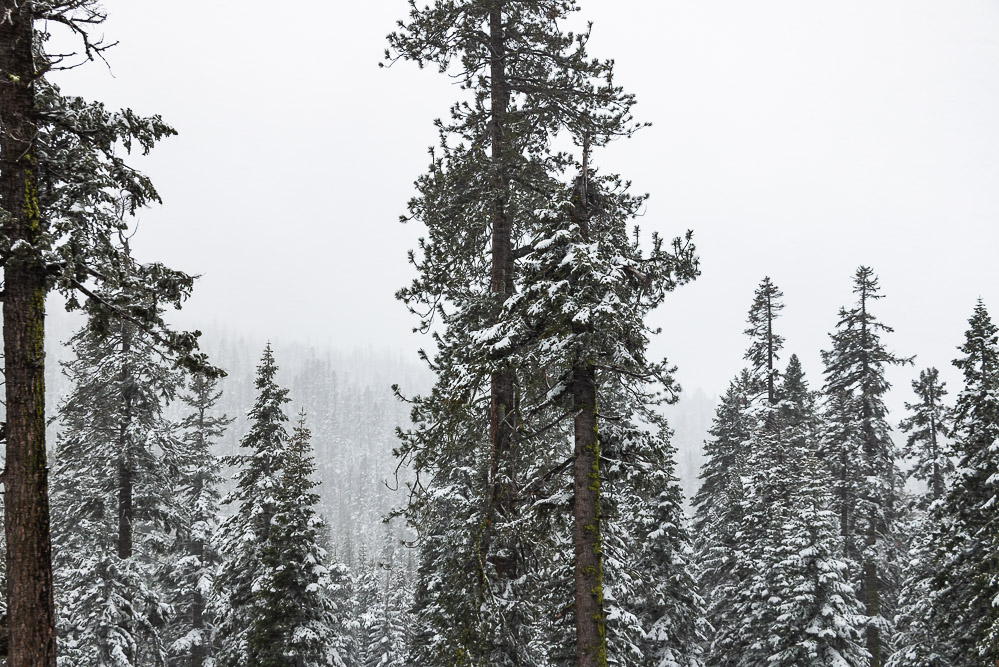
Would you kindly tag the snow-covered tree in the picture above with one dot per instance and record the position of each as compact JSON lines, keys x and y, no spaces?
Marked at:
{"x":862,"y":457}
{"x":965,"y":585}
{"x":718,"y":502}
{"x":488,"y":444}
{"x":386,"y":620}
{"x":765,"y":343}
{"x":194,"y":557}
{"x":66,"y":191}
{"x":927,"y":426}
{"x":295,"y":618}
{"x":112,"y":497}
{"x":580,"y":317}
{"x":244,"y":534}
{"x":272,"y":595}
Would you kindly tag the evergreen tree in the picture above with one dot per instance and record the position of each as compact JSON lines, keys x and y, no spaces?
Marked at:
{"x":730,"y":539}
{"x":718,"y":505}
{"x":927,"y":429}
{"x":765,"y":346}
{"x":859,"y":450}
{"x":195,"y":557}
{"x":580,"y":317}
{"x":966,"y":555}
{"x":244,"y":534}
{"x":295,"y":616}
{"x":65,"y":191}
{"x":386,"y":617}
{"x":113,"y":499}
{"x":491,"y":185}
{"x":273,"y":590}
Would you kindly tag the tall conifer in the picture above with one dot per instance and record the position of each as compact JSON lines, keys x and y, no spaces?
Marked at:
{"x":491,"y":184}
{"x":966,"y":582}
{"x":112,"y":496}
{"x":862,"y":457}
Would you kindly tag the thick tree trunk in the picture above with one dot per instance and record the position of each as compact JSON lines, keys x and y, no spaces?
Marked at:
{"x":502,"y":412}
{"x":591,"y":648}
{"x":26,"y":520}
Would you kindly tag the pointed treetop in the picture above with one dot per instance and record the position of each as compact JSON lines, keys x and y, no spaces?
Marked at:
{"x":979,"y":340}
{"x":766,"y":344}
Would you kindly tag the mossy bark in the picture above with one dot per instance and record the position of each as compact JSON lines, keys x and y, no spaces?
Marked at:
{"x":26,"y":520}
{"x":591,"y":642}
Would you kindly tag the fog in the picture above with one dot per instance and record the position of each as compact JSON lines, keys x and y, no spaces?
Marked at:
{"x":797,"y":139}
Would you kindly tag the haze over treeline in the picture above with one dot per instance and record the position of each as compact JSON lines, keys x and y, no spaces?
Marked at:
{"x":721,"y":389}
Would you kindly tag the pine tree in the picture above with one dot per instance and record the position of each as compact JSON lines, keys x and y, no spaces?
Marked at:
{"x":859,"y":450}
{"x":495,"y":169}
{"x":195,"y":557}
{"x":65,"y":190}
{"x":113,"y":500}
{"x":966,"y":554}
{"x":927,"y":429}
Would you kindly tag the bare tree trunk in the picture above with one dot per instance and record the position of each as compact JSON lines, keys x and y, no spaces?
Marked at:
{"x":26,"y":519}
{"x":591,"y":648}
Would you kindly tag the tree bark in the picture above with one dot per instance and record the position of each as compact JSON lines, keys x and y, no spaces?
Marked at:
{"x":502,"y":411}
{"x":871,"y":582}
{"x":125,"y":454}
{"x":591,"y":648}
{"x":26,"y":519}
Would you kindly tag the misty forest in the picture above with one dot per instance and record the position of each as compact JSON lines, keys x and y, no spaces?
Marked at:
{"x":531,"y":488}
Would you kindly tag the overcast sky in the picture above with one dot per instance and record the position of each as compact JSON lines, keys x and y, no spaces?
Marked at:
{"x":797,"y":138}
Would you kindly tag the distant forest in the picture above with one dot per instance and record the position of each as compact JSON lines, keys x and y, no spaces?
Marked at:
{"x":530,"y":489}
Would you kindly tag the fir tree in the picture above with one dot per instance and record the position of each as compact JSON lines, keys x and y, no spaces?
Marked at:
{"x":966,"y":558}
{"x":273,"y":591}
{"x":718,"y":504}
{"x":195,"y":557}
{"x":790,"y":603}
{"x":927,"y":429}
{"x":244,"y":534}
{"x":859,"y":450}
{"x":765,"y":346}
{"x":386,"y":617}
{"x":295,"y":617}
{"x":580,"y":317}
{"x":113,"y":498}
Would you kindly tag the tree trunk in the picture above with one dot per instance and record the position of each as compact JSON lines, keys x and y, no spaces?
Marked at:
{"x":26,"y":519}
{"x":125,"y":454}
{"x":591,"y":648}
{"x":871,"y":583}
{"x":502,"y":412}
{"x":199,"y":652}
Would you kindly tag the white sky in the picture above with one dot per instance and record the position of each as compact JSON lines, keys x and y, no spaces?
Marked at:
{"x":797,"y":138}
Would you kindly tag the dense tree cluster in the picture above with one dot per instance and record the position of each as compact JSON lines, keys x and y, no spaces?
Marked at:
{"x":544,"y":524}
